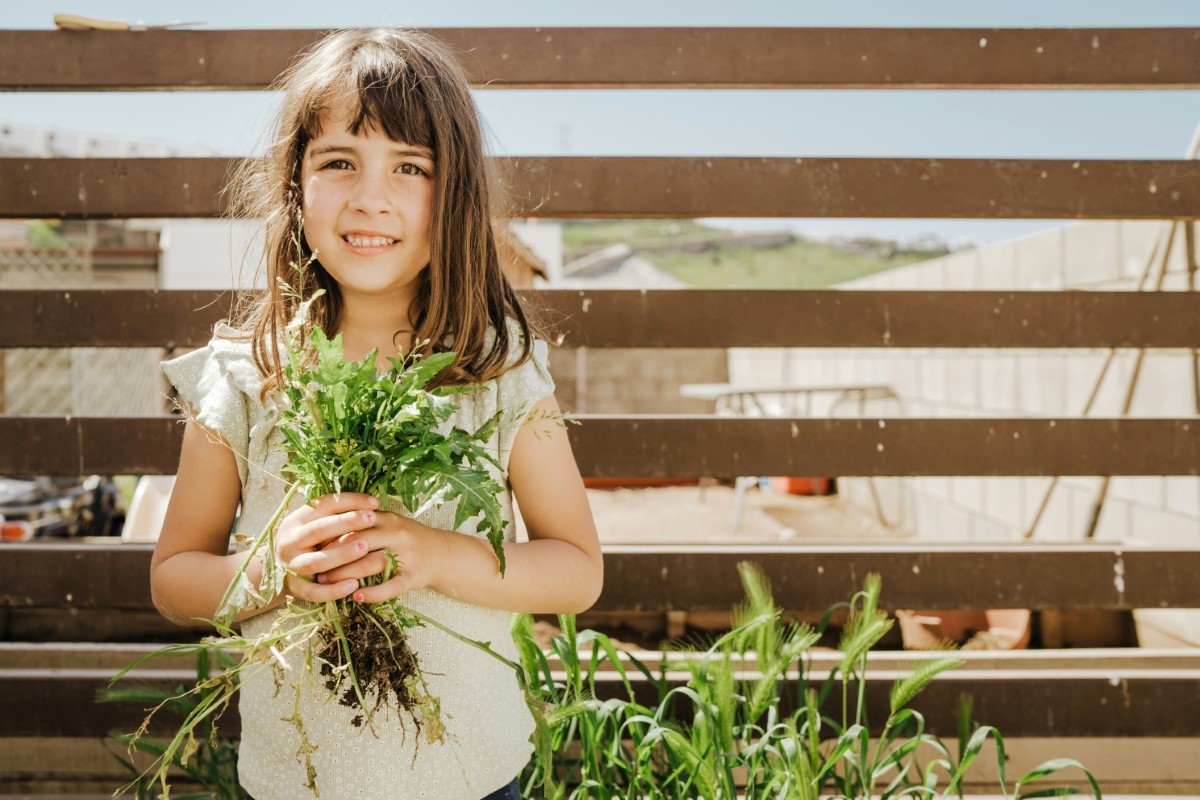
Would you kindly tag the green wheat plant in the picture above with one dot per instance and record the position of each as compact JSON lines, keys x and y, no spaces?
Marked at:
{"x":723,"y":732}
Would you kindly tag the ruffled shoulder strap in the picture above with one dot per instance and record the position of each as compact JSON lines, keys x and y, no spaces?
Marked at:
{"x":215,"y":384}
{"x":234,"y":350}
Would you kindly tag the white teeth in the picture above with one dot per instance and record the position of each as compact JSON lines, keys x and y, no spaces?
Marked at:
{"x":368,"y":241}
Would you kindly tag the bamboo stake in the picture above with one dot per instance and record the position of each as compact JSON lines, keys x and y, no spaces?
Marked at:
{"x":1098,"y":504}
{"x":1112,"y":353}
{"x":1102,"y":495}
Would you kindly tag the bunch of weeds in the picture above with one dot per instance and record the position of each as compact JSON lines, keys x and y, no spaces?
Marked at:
{"x":209,"y":759}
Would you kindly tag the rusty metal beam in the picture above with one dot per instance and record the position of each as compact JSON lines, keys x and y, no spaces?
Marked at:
{"x":46,"y":445}
{"x":598,"y":318}
{"x":63,"y":318}
{"x":700,"y":445}
{"x":85,"y":188}
{"x":574,"y":187}
{"x":1119,"y":703}
{"x":690,"y":446}
{"x":638,"y":58}
{"x":699,"y":577}
{"x":925,"y":576}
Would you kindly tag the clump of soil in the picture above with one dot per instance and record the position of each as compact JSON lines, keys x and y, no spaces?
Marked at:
{"x":381,"y":661}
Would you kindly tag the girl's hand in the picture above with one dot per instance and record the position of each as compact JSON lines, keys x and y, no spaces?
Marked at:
{"x":324,"y":536}
{"x":421,"y":553}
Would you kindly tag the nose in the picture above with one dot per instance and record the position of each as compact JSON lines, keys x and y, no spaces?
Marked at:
{"x":370,"y":193}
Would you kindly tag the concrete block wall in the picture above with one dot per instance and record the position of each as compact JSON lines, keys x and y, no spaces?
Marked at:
{"x":635,"y":380}
{"x":89,"y":381}
{"x":1103,"y":255}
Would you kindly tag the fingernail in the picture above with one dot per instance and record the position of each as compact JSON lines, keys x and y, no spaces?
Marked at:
{"x":349,"y":585}
{"x":320,"y":577}
{"x":369,"y":516}
{"x":358,"y":596}
{"x":360,"y":546}
{"x":374,"y":501}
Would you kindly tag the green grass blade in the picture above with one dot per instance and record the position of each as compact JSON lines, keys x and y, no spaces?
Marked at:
{"x":968,"y":756}
{"x":1050,"y":767}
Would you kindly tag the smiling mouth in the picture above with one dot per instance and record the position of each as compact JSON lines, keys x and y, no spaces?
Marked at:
{"x":368,"y":241}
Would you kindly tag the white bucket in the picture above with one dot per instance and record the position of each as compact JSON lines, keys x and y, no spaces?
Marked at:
{"x":148,"y":509}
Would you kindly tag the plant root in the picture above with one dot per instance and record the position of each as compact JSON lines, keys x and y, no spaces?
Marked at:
{"x":381,"y":671}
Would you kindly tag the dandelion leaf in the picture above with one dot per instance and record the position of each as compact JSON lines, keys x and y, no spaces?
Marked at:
{"x":274,"y":575}
{"x":426,"y":369}
{"x":243,"y":596}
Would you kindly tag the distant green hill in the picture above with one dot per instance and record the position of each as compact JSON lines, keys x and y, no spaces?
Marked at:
{"x":581,"y":237}
{"x":802,"y":264}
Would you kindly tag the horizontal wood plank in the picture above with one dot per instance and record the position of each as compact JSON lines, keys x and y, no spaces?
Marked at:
{"x":1119,"y":703}
{"x":610,"y":446}
{"x":116,"y":655}
{"x":704,"y":578}
{"x":638,"y":58}
{"x":598,"y":318}
{"x":574,"y":187}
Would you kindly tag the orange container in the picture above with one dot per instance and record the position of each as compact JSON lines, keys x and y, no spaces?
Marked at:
{"x":812,"y":486}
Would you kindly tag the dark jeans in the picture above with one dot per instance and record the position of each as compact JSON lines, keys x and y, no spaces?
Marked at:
{"x":510,"y":792}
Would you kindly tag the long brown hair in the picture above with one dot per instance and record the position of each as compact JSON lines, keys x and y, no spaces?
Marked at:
{"x":409,"y":86}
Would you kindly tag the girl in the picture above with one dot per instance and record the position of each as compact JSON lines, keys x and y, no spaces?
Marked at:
{"x":379,"y":154}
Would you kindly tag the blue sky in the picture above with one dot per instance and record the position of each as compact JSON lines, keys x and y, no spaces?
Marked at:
{"x":1033,"y":124}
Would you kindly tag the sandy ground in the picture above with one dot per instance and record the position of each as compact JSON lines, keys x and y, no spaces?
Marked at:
{"x":682,"y":514}
{"x":705,"y":514}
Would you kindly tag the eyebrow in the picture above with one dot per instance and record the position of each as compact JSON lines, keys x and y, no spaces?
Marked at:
{"x":397,"y":151}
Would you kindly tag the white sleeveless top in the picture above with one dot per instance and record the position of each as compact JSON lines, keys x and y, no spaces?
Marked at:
{"x":488,"y":724}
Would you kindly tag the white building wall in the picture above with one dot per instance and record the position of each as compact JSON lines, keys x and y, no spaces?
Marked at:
{"x":211,"y":254}
{"x":544,"y":238}
{"x":1107,"y":255}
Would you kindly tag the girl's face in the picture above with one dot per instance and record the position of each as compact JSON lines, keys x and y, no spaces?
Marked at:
{"x":367,"y":203}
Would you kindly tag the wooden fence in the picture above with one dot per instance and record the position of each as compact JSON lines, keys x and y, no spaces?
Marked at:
{"x":51,"y":591}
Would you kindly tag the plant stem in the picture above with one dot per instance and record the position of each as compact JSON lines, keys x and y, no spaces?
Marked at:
{"x":485,"y":647}
{"x":268,"y":533}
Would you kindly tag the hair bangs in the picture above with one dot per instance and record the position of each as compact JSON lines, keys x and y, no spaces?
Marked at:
{"x":382,"y":91}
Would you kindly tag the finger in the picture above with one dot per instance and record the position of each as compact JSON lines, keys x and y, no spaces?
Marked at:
{"x":319,"y":593}
{"x":292,"y":541}
{"x":326,"y":530}
{"x":311,"y":562}
{"x":385,"y":591}
{"x":370,"y":564}
{"x":335,"y":504}
{"x":345,"y":537}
